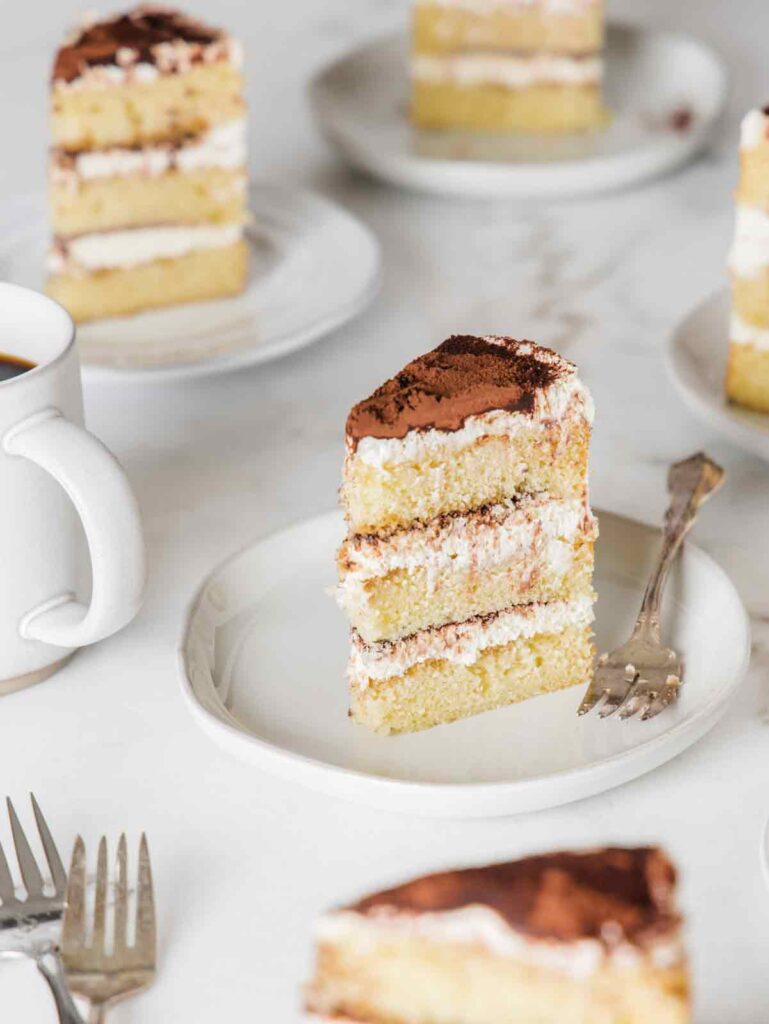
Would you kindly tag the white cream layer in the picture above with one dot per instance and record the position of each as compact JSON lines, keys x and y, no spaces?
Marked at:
{"x":223,"y":146}
{"x":511,"y":70}
{"x":477,"y":925}
{"x":536,"y":526}
{"x":749,"y":256}
{"x":462,"y":642}
{"x":743,"y":333}
{"x":755,"y":129}
{"x":109,"y":250}
{"x":567,"y":402}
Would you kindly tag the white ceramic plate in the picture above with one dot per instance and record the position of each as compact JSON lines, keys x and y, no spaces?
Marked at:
{"x":696,"y":359}
{"x":313,"y":267}
{"x":665,"y":90}
{"x":263,"y":671}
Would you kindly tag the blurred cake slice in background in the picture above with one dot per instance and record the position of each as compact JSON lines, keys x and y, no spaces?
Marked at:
{"x":148,"y":170}
{"x":497,"y":66}
{"x":564,"y":938}
{"x":467,"y":570}
{"x":747,"y":381}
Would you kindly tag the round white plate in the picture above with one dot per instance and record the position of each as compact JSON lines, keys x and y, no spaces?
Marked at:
{"x":313,"y":267}
{"x":697,"y":354}
{"x":263,"y":662}
{"x":665,"y":91}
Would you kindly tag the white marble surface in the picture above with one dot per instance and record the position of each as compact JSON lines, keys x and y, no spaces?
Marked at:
{"x":243,"y":863}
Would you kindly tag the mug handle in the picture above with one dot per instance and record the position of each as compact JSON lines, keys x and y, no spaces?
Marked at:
{"x":99,"y":490}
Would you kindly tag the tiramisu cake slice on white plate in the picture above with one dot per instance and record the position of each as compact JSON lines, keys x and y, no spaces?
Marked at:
{"x":467,"y":570}
{"x":148,"y":167}
{"x":564,"y":938}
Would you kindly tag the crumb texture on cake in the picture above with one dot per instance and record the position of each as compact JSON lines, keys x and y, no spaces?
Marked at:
{"x":406,"y":600}
{"x":417,"y":982}
{"x":548,"y":108}
{"x":210,"y":196}
{"x":533,"y":457}
{"x":138,"y":112}
{"x":439,"y":691}
{"x":462,"y":642}
{"x":195,"y":277}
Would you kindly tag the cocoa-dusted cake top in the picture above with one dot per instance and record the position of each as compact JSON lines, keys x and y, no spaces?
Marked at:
{"x":133,"y":37}
{"x":465,"y":376}
{"x":612,"y":895}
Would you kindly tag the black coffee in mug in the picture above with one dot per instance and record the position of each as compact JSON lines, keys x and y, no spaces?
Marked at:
{"x":13,"y":366}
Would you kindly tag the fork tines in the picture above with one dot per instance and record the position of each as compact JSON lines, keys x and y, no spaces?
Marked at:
{"x":628,"y":691}
{"x":38,"y":905}
{"x":82,"y":952}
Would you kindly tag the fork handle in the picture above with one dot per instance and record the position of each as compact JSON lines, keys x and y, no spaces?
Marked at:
{"x":49,"y":965}
{"x":690,"y":483}
{"x":97,"y":1013}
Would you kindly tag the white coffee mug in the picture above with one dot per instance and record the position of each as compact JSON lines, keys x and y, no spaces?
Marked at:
{"x":63,"y":498}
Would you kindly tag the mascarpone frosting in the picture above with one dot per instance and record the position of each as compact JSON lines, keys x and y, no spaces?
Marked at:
{"x":743,"y":333}
{"x":543,"y":529}
{"x":512,"y":70}
{"x":754,"y":130}
{"x":462,"y":642}
{"x":567,"y":401}
{"x":108,"y":250}
{"x":476,"y":925}
{"x":223,"y":146}
{"x":749,"y":254}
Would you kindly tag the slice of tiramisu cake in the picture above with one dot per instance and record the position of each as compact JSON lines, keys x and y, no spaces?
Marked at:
{"x":148,"y":166}
{"x":467,"y":570}
{"x":565,"y":938}
{"x":508,"y":65}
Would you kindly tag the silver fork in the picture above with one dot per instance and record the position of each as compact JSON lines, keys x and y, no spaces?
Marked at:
{"x":643,"y":676}
{"x":25,"y":923}
{"x":105,"y":977}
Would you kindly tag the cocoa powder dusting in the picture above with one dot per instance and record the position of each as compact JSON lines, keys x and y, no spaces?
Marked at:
{"x":612,"y":895}
{"x":465,"y":376}
{"x":138,"y":31}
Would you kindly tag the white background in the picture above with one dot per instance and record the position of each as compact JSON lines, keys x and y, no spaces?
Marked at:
{"x":243,"y":863}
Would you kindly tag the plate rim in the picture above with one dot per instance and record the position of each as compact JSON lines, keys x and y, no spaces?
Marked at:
{"x":247,"y":356}
{"x":716,"y":415}
{"x":513,"y":180}
{"x":272,"y":758}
